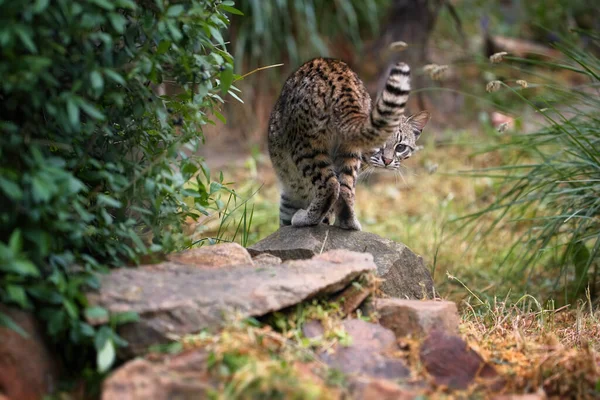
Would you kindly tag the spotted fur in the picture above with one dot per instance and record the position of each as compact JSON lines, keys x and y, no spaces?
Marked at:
{"x":320,"y":129}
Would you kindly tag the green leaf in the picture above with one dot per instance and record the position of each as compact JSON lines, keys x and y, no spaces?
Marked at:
{"x":106,"y":356}
{"x":39,"y":6}
{"x":104,"y":200}
{"x":226,"y":80}
{"x":11,"y":189}
{"x":21,"y":267}
{"x":92,"y":111}
{"x":220,"y":116}
{"x":97,"y":80}
{"x":175,"y":10}
{"x":42,"y":190}
{"x":115,"y":76}
{"x":8,"y":322}
{"x":216,"y":34}
{"x":71,"y":309}
{"x":117,"y":21}
{"x":124,"y":318}
{"x":106,"y":4}
{"x":17,"y":295}
{"x":163,"y":46}
{"x":25,"y":36}
{"x":96,"y":314}
{"x":15,"y":242}
{"x":215,"y":187}
{"x":230,"y":9}
{"x":73,"y":112}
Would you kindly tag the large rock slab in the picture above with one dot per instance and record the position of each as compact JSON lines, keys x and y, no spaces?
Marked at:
{"x":174,"y":299}
{"x":28,"y":368}
{"x":404,"y":272}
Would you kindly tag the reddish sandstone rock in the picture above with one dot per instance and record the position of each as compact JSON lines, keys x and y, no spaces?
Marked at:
{"x":183,"y":376}
{"x":379,"y":389}
{"x":530,"y":396}
{"x":452,"y":363}
{"x":28,"y":370}
{"x":415,"y":317}
{"x":219,"y":255}
{"x":367,"y":353}
{"x":173,"y":299}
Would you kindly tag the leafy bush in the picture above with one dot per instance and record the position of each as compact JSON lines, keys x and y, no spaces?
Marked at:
{"x":92,"y":161}
{"x":550,"y":192}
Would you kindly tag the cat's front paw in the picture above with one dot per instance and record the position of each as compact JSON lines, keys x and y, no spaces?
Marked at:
{"x":349,"y":223}
{"x":301,"y":218}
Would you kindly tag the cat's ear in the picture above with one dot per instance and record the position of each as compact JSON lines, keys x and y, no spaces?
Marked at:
{"x":419,"y":120}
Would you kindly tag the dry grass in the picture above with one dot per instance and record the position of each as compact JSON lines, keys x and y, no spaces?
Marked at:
{"x":551,"y":350}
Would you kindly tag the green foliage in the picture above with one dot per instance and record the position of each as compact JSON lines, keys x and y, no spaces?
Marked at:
{"x":295,"y":30}
{"x":92,"y":161}
{"x":551,"y":191}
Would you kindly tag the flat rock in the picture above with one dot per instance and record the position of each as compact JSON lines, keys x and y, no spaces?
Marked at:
{"x":452,"y":363}
{"x":215,"y":256}
{"x":367,"y":353}
{"x":404,"y":272}
{"x":363,"y":388}
{"x":415,"y":317}
{"x":529,"y":396}
{"x":28,"y":368}
{"x":183,"y":376}
{"x":174,"y":299}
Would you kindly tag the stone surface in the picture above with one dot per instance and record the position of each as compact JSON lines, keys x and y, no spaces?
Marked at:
{"x":367,"y":353}
{"x":267,"y":259}
{"x":216,"y":256}
{"x":183,"y":376}
{"x":173,"y":299}
{"x":452,"y":363}
{"x":28,"y":369}
{"x":530,"y":396}
{"x":363,"y":388}
{"x":416,"y":317}
{"x":404,"y":272}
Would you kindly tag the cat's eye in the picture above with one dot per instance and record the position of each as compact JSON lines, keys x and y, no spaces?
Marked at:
{"x":400,"y":148}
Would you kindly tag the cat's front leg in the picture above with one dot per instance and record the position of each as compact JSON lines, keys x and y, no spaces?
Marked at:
{"x":347,"y":164}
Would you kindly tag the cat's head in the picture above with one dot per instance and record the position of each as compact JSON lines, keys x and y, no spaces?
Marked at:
{"x":400,"y":145}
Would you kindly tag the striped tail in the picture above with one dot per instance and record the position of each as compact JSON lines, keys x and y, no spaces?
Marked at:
{"x":389,"y":107}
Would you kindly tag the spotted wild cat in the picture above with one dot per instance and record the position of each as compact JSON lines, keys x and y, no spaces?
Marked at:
{"x":321,"y":129}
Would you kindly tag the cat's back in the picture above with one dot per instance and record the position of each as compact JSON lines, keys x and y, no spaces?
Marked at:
{"x":319,"y":88}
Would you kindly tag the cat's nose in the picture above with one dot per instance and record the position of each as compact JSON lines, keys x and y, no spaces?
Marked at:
{"x":386,"y":161}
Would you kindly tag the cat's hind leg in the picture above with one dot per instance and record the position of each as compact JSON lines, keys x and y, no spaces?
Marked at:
{"x":316,"y":168}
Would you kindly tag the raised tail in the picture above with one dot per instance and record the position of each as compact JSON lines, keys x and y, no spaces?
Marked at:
{"x":388,"y":109}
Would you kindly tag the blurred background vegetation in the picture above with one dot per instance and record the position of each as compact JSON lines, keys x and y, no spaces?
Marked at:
{"x":503,"y":194}
{"x":106,"y":104}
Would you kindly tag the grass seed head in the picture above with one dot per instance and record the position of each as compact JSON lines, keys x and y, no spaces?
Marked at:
{"x":398,"y":46}
{"x":522,"y":83}
{"x":493,"y":86}
{"x":498,"y":57}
